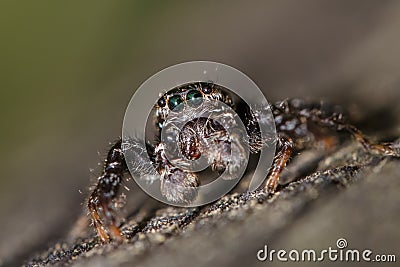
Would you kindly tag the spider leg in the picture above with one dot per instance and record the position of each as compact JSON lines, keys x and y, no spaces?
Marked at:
{"x":97,"y":222}
{"x":101,"y":203}
{"x":284,"y":152}
{"x":220,"y":154}
{"x":385,"y":149}
{"x":338,"y":122}
{"x":177,"y":185}
{"x":227,"y":153}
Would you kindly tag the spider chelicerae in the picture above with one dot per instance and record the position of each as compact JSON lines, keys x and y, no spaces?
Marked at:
{"x":300,"y":125}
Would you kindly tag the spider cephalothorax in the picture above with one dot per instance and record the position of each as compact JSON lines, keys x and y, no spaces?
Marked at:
{"x":299,"y":125}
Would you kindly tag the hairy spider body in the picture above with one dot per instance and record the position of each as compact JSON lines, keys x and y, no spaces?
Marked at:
{"x":298,"y":125}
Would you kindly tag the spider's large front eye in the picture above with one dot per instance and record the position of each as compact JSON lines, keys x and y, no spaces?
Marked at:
{"x":175,"y":103}
{"x":194,"y":98}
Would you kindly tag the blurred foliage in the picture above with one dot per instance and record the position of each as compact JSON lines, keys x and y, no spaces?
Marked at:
{"x":54,"y":54}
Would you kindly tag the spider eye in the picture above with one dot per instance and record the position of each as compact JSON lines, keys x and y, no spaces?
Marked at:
{"x":206,"y":89}
{"x":175,"y":103}
{"x":194,"y":98}
{"x":161,"y":102}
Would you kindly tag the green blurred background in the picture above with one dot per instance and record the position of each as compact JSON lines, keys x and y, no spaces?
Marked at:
{"x":68,"y":70}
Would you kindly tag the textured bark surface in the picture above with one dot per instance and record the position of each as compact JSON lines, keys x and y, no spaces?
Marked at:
{"x":353,"y":195}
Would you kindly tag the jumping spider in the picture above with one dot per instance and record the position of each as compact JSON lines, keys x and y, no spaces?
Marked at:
{"x":299,"y":124}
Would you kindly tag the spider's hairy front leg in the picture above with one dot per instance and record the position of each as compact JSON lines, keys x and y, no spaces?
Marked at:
{"x":284,"y":151}
{"x":101,"y":203}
